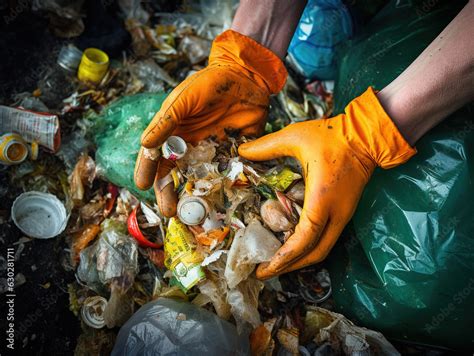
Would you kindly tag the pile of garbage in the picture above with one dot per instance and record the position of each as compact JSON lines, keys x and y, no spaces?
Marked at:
{"x":232,"y":214}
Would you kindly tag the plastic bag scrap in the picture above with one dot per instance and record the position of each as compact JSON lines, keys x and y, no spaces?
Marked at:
{"x":168,"y":327}
{"x":343,"y":336}
{"x":117,"y":134}
{"x":251,"y":246}
{"x":112,"y":258}
{"x":82,"y":176}
{"x":324,"y":25}
{"x":151,"y":75}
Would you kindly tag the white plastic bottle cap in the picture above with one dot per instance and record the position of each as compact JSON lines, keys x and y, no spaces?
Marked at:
{"x":192,"y":210}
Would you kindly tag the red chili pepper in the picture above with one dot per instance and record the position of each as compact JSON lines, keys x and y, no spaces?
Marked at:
{"x":134,"y":230}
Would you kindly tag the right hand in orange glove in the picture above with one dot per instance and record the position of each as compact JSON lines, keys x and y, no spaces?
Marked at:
{"x":232,"y":93}
{"x":338,"y":156}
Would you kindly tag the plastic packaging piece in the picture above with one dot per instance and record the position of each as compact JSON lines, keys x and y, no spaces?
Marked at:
{"x":69,"y":58}
{"x":251,"y":246}
{"x":196,"y":48}
{"x":93,"y":67}
{"x":32,"y":103}
{"x":81,"y":177}
{"x":408,"y":269}
{"x":151,"y":75}
{"x":13,"y":149}
{"x":324,"y":25}
{"x":182,"y":259}
{"x":92,"y":311}
{"x":40,"y":127}
{"x":174,"y":148}
{"x":113,"y":257}
{"x":39,"y":215}
{"x":344,"y":337}
{"x":117,"y":134}
{"x":192,"y":210}
{"x":72,"y":147}
{"x":135,"y":231}
{"x":170,"y":327}
{"x":243,"y":301}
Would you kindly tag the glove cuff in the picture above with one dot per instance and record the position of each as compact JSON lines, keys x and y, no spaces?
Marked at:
{"x":233,"y":47}
{"x":377,"y":132}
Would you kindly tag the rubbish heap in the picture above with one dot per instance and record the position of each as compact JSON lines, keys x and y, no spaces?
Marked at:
{"x":232,"y":214}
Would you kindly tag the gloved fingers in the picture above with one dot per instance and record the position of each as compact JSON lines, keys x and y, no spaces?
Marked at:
{"x":159,"y":129}
{"x":306,"y":236}
{"x":268,"y":147}
{"x":166,"y":196}
{"x":145,"y":167}
{"x":321,"y":250}
{"x":311,"y":226}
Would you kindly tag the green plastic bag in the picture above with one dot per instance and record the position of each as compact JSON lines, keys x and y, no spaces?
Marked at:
{"x":117,"y":135}
{"x":407,"y":269}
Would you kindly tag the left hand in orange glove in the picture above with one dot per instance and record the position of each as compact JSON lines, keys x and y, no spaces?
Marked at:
{"x":232,"y":93}
{"x":338,"y":156}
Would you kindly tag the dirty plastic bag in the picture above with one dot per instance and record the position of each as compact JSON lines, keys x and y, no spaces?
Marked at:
{"x":251,"y":246}
{"x":324,"y":25}
{"x":243,"y":301}
{"x":408,"y":269}
{"x":169,"y":327}
{"x":113,"y":257}
{"x":343,"y":336}
{"x":117,"y":132}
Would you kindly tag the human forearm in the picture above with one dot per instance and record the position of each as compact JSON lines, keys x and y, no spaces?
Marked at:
{"x":438,"y":82}
{"x":269,"y":22}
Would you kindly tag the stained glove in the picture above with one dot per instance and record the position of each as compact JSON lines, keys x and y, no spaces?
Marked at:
{"x":338,"y":156}
{"x":230,"y":94}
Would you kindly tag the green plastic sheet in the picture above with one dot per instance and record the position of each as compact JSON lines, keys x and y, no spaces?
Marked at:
{"x":406,"y":265}
{"x":117,"y":131}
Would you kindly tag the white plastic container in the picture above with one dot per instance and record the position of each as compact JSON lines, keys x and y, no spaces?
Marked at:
{"x":39,"y":215}
{"x":174,"y":148}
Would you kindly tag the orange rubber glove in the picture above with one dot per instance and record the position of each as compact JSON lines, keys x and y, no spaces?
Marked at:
{"x":338,"y":156}
{"x":231,"y":93}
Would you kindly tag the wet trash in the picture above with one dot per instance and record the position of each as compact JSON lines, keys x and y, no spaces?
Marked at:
{"x":92,"y":312}
{"x":42,"y":128}
{"x":93,"y":67}
{"x":145,"y":226}
{"x":112,"y":257}
{"x":343,"y":336}
{"x":251,"y":246}
{"x":13,"y":149}
{"x":69,"y":58}
{"x":181,"y":257}
{"x":39,"y":215}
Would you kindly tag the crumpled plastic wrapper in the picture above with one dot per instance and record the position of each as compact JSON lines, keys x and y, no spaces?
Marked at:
{"x":113,"y":257}
{"x":343,"y":336}
{"x":251,"y":246}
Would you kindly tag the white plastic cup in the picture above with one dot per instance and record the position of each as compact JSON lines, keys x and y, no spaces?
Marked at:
{"x":174,"y":148}
{"x":39,"y":215}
